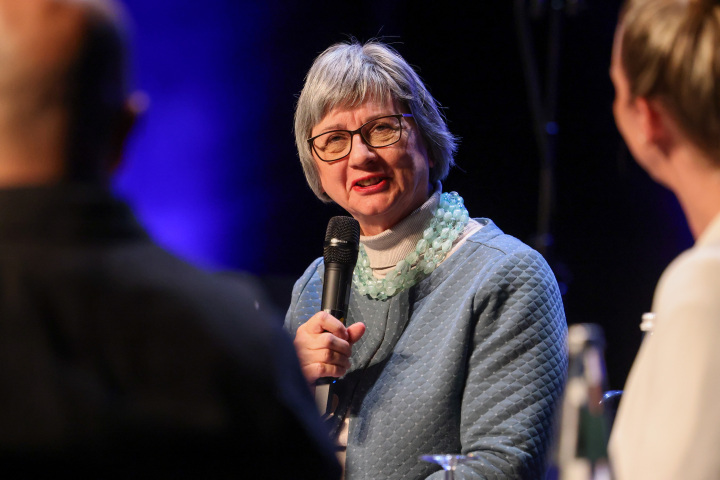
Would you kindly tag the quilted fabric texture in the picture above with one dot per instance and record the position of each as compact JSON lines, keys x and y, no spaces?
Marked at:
{"x":470,"y":360}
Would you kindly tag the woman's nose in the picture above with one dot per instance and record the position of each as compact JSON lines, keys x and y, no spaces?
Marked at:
{"x":361,"y":152}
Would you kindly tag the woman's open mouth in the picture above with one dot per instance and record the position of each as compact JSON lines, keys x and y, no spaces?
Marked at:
{"x":370,"y":183}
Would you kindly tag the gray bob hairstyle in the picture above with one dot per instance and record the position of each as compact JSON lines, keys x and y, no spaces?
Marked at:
{"x":347,"y":74}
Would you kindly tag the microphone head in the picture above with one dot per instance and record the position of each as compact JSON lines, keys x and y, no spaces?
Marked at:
{"x":342,"y":240}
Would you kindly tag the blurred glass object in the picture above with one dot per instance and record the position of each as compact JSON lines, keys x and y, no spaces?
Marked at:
{"x":581,"y":450}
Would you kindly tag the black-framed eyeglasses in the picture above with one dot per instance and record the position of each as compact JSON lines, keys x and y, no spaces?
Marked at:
{"x":379,"y":132}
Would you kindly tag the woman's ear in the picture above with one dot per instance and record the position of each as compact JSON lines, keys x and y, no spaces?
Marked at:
{"x":653,"y":122}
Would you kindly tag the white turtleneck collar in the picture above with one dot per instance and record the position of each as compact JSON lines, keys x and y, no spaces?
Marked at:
{"x":386,"y":249}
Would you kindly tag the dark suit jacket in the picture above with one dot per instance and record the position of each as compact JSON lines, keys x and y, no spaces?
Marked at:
{"x":119,"y":360}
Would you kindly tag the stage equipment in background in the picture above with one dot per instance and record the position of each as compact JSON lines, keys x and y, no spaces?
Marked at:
{"x":543,"y":105}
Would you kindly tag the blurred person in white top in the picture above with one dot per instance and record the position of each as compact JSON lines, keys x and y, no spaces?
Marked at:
{"x":666,"y":72}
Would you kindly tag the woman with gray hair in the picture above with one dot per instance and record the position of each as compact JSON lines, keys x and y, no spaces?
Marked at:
{"x":454,"y":337}
{"x":666,"y":71}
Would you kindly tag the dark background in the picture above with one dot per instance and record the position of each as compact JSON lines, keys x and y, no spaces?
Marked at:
{"x":213,"y":174}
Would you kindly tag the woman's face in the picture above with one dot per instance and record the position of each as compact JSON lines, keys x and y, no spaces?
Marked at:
{"x":377,"y":186}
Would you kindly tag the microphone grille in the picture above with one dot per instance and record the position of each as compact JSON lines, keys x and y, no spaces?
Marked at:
{"x":342,"y":239}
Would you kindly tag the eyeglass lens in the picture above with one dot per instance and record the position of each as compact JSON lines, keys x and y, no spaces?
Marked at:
{"x":377,"y":133}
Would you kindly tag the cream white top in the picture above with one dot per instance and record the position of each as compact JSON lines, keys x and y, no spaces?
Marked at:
{"x":668,"y":423}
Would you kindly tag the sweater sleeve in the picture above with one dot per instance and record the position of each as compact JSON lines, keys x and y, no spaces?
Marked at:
{"x":516,"y":371}
{"x":305,"y":298}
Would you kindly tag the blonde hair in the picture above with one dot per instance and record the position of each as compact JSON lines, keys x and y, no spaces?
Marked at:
{"x":671,"y":52}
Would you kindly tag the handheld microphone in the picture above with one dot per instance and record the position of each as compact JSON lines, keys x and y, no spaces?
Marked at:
{"x":340,"y":252}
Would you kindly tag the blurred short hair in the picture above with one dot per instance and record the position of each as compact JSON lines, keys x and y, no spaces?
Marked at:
{"x":671,"y":52}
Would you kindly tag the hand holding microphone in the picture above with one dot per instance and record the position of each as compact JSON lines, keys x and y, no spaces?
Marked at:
{"x":324,"y":343}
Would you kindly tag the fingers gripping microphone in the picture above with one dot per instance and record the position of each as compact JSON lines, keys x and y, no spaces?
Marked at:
{"x":340,"y":254}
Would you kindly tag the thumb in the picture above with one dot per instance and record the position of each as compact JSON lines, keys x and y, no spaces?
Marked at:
{"x":355,"y":332}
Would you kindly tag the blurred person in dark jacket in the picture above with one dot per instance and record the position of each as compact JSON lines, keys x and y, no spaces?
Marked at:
{"x":116,"y":358}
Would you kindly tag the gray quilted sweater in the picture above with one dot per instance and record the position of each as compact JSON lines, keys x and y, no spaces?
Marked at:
{"x":470,"y":360}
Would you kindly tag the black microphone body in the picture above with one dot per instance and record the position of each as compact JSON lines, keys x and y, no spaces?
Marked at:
{"x":337,"y":283}
{"x":340,"y":252}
